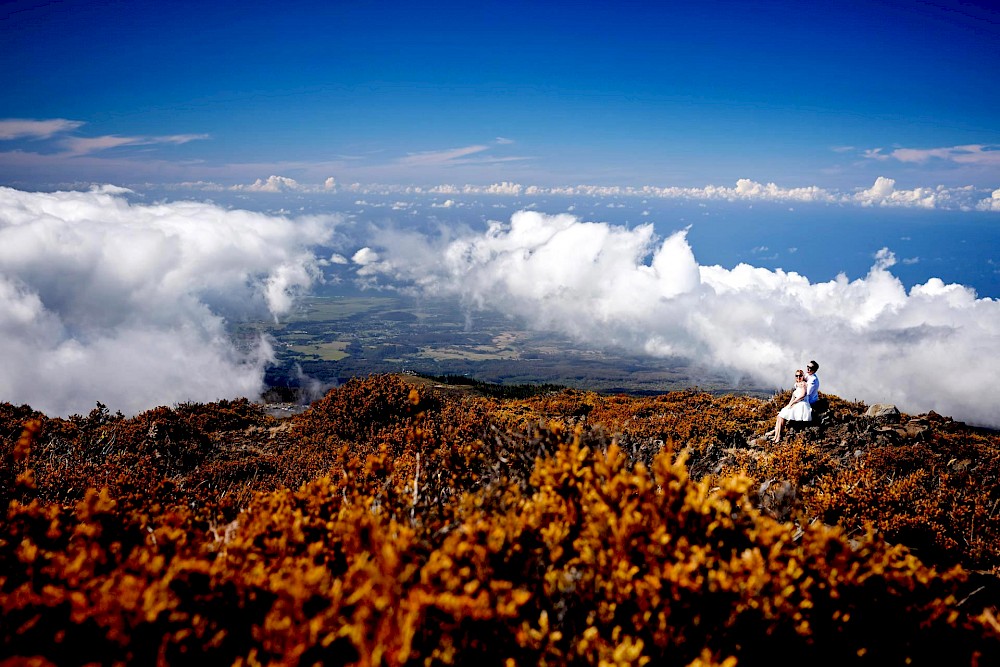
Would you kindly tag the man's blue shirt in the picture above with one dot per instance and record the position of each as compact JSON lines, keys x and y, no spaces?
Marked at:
{"x":812,"y":388}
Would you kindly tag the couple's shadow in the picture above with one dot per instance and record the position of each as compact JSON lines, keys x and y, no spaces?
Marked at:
{"x":820,"y":411}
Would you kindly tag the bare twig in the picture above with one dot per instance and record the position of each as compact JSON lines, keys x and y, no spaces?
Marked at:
{"x":966,"y":598}
{"x":416,"y":490}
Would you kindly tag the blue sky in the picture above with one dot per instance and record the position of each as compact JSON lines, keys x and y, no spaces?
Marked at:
{"x":669,"y":94}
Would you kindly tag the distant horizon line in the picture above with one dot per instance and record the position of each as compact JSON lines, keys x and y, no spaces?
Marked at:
{"x":882,"y":193}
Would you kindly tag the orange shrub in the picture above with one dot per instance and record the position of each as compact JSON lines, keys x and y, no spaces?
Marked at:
{"x":389,"y":526}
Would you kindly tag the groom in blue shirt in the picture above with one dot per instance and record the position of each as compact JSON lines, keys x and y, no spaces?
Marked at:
{"x":812,"y":382}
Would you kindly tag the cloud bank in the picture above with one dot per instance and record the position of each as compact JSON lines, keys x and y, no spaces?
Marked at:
{"x":933,"y":347}
{"x":883,"y":192}
{"x":102,"y":299}
{"x":991,"y":203}
{"x":278,"y":184}
{"x":126,"y":303}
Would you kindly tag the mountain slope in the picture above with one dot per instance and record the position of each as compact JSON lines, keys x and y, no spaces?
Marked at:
{"x":399,"y":521}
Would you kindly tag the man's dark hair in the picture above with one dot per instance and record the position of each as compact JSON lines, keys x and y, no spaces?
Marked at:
{"x":813,"y":366}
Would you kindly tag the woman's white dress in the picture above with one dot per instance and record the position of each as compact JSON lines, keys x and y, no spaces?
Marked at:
{"x":800,"y":412}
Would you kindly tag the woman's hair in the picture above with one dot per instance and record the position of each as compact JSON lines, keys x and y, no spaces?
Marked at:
{"x":799,"y":373}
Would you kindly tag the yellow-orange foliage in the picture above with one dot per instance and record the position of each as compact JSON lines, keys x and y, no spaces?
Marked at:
{"x":392,"y":526}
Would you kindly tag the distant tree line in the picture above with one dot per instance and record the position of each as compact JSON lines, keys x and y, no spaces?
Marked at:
{"x":495,"y":390}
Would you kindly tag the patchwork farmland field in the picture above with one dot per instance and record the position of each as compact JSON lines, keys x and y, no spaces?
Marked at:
{"x":330,"y":339}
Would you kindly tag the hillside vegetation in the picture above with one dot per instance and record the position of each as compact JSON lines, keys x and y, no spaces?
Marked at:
{"x":403,"y":522}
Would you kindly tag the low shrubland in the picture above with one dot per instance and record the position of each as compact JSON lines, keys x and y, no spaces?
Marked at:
{"x":398,"y":523}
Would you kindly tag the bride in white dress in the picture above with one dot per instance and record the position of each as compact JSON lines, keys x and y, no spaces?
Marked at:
{"x":798,"y":408}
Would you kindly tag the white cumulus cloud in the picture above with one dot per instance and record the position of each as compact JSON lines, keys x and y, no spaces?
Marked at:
{"x":365,"y":257}
{"x":272,"y":184}
{"x":884,"y":193}
{"x":502,"y":188}
{"x":991,"y":203}
{"x":613,"y":286}
{"x":105,"y":300}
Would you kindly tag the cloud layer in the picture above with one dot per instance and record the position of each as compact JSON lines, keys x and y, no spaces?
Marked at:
{"x":126,"y":303}
{"x":102,"y":299}
{"x":883,"y":192}
{"x":27,"y":128}
{"x":933,"y":347}
{"x":978,"y":154}
{"x":74,"y":146}
{"x":87,"y":145}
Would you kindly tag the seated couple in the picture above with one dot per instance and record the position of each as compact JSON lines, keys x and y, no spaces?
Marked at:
{"x":799,"y":407}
